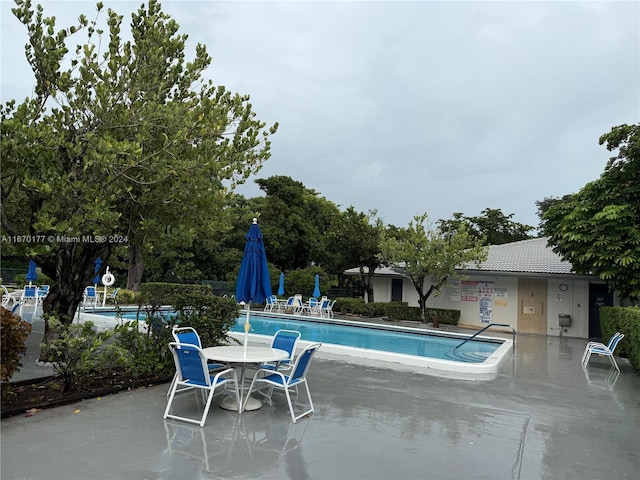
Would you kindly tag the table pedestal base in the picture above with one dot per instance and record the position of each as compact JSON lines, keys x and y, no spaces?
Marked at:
{"x":229,"y":403}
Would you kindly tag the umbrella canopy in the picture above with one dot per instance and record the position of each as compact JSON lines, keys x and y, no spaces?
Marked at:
{"x":253,"y":284}
{"x":32,"y":274}
{"x":281,"y":285}
{"x":316,"y":289}
{"x":96,"y":279}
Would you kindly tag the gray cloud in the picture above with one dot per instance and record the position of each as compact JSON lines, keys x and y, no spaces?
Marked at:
{"x":411,"y":107}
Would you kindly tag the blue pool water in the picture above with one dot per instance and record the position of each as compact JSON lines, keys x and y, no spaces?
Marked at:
{"x":421,"y":344}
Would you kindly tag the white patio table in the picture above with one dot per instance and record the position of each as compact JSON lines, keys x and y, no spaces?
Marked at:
{"x":238,"y":356}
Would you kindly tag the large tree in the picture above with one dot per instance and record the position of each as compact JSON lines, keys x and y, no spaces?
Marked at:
{"x":598,"y":230}
{"x":354,"y":241}
{"x":122,"y":143}
{"x":293,"y":219}
{"x":428,"y":257}
{"x":492,"y":227}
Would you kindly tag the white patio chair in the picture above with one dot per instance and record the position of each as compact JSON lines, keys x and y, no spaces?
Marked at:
{"x":189,"y":335}
{"x":193,"y":372}
{"x":90,"y":297}
{"x":603,"y":350}
{"x":278,"y":380}
{"x":283,"y":340}
{"x":29,"y":297}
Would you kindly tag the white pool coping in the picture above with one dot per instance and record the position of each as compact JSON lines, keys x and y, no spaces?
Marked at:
{"x":425,"y":364}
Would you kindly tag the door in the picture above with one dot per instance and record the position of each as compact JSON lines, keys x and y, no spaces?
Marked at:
{"x":532,"y":306}
{"x":396,"y":289}
{"x":599,"y":296}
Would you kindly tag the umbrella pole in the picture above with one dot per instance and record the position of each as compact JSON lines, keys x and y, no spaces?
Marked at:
{"x":247,"y":327}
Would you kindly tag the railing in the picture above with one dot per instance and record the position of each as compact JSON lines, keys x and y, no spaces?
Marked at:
{"x":513,"y":332}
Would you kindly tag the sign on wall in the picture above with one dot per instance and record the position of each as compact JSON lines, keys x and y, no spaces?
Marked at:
{"x":485,"y":291}
{"x":453,"y":289}
{"x":469,"y":290}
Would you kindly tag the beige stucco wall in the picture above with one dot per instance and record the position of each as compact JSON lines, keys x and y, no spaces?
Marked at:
{"x":573,"y":301}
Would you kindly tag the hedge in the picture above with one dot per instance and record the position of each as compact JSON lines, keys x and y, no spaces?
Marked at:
{"x":625,"y":320}
{"x":394,"y":311}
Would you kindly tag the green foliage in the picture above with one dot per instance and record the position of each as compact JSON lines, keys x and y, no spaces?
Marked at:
{"x":78,"y":351}
{"x":492,"y":227}
{"x":14,"y":336}
{"x":147,"y":351}
{"x":303,"y":281}
{"x":443,"y":315}
{"x":401,"y":311}
{"x":430,"y":257}
{"x":354,"y":238}
{"x":21,"y":280}
{"x":293,"y":219}
{"x":598,"y":230}
{"x":124,"y":140}
{"x":124,"y":297}
{"x":625,"y":320}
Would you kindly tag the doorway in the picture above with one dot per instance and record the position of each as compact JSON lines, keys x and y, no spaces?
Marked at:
{"x":599,"y":296}
{"x":532,"y":306}
{"x":396,"y":289}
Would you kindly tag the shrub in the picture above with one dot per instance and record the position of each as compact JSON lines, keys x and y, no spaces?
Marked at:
{"x":78,"y":351}
{"x":124,"y":297}
{"x":21,"y":280}
{"x":401,"y":311}
{"x":625,"y":320}
{"x":14,"y":333}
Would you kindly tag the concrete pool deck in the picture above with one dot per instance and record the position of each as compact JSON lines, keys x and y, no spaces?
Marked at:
{"x":541,"y":416}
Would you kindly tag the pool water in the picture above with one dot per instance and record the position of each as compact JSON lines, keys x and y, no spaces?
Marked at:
{"x":428,"y":345}
{"x":418,"y":344}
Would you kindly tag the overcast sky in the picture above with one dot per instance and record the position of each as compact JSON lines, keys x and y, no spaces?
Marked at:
{"x":412,"y":107}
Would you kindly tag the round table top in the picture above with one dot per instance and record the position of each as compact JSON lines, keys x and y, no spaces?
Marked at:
{"x":238,"y":354}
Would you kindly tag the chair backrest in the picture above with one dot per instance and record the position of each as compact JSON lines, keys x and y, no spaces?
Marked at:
{"x":613,"y":337}
{"x":43,"y":290}
{"x":286,"y":340}
{"x":313,"y":301}
{"x":290,"y":301}
{"x":614,"y":342}
{"x":186,"y":335}
{"x":115,"y":292}
{"x":325,"y":304}
{"x":302,"y":363}
{"x":90,"y":292}
{"x":191,"y":364}
{"x":30,"y":291}
{"x":6,"y":298}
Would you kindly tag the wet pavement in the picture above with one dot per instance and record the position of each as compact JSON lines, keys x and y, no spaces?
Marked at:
{"x":541,"y":417}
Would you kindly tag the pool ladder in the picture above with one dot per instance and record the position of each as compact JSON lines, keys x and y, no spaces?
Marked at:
{"x":513,"y":333}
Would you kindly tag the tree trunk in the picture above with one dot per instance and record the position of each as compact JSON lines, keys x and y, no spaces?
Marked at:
{"x":136,"y":267}
{"x":75,"y":263}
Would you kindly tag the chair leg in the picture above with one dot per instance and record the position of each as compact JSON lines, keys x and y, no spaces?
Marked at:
{"x":173,"y":381}
{"x":613,"y":362}
{"x":207,"y":406}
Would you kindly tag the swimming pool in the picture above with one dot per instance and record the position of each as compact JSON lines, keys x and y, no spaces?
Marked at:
{"x":409,"y":346}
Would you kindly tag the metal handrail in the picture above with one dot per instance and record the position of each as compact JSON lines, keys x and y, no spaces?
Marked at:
{"x":513,"y":333}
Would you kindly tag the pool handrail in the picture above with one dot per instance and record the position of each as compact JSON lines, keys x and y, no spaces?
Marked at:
{"x":513,"y":334}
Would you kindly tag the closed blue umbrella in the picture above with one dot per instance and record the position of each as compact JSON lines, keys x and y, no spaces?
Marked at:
{"x":32,"y":274}
{"x":253,"y":284}
{"x":281,"y":285}
{"x":96,"y":279}
{"x":316,"y":289}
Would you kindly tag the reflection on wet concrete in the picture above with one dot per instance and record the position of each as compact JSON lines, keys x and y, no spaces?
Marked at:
{"x":543,"y":416}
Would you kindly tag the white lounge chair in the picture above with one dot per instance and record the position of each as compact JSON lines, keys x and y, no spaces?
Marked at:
{"x":603,"y":350}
